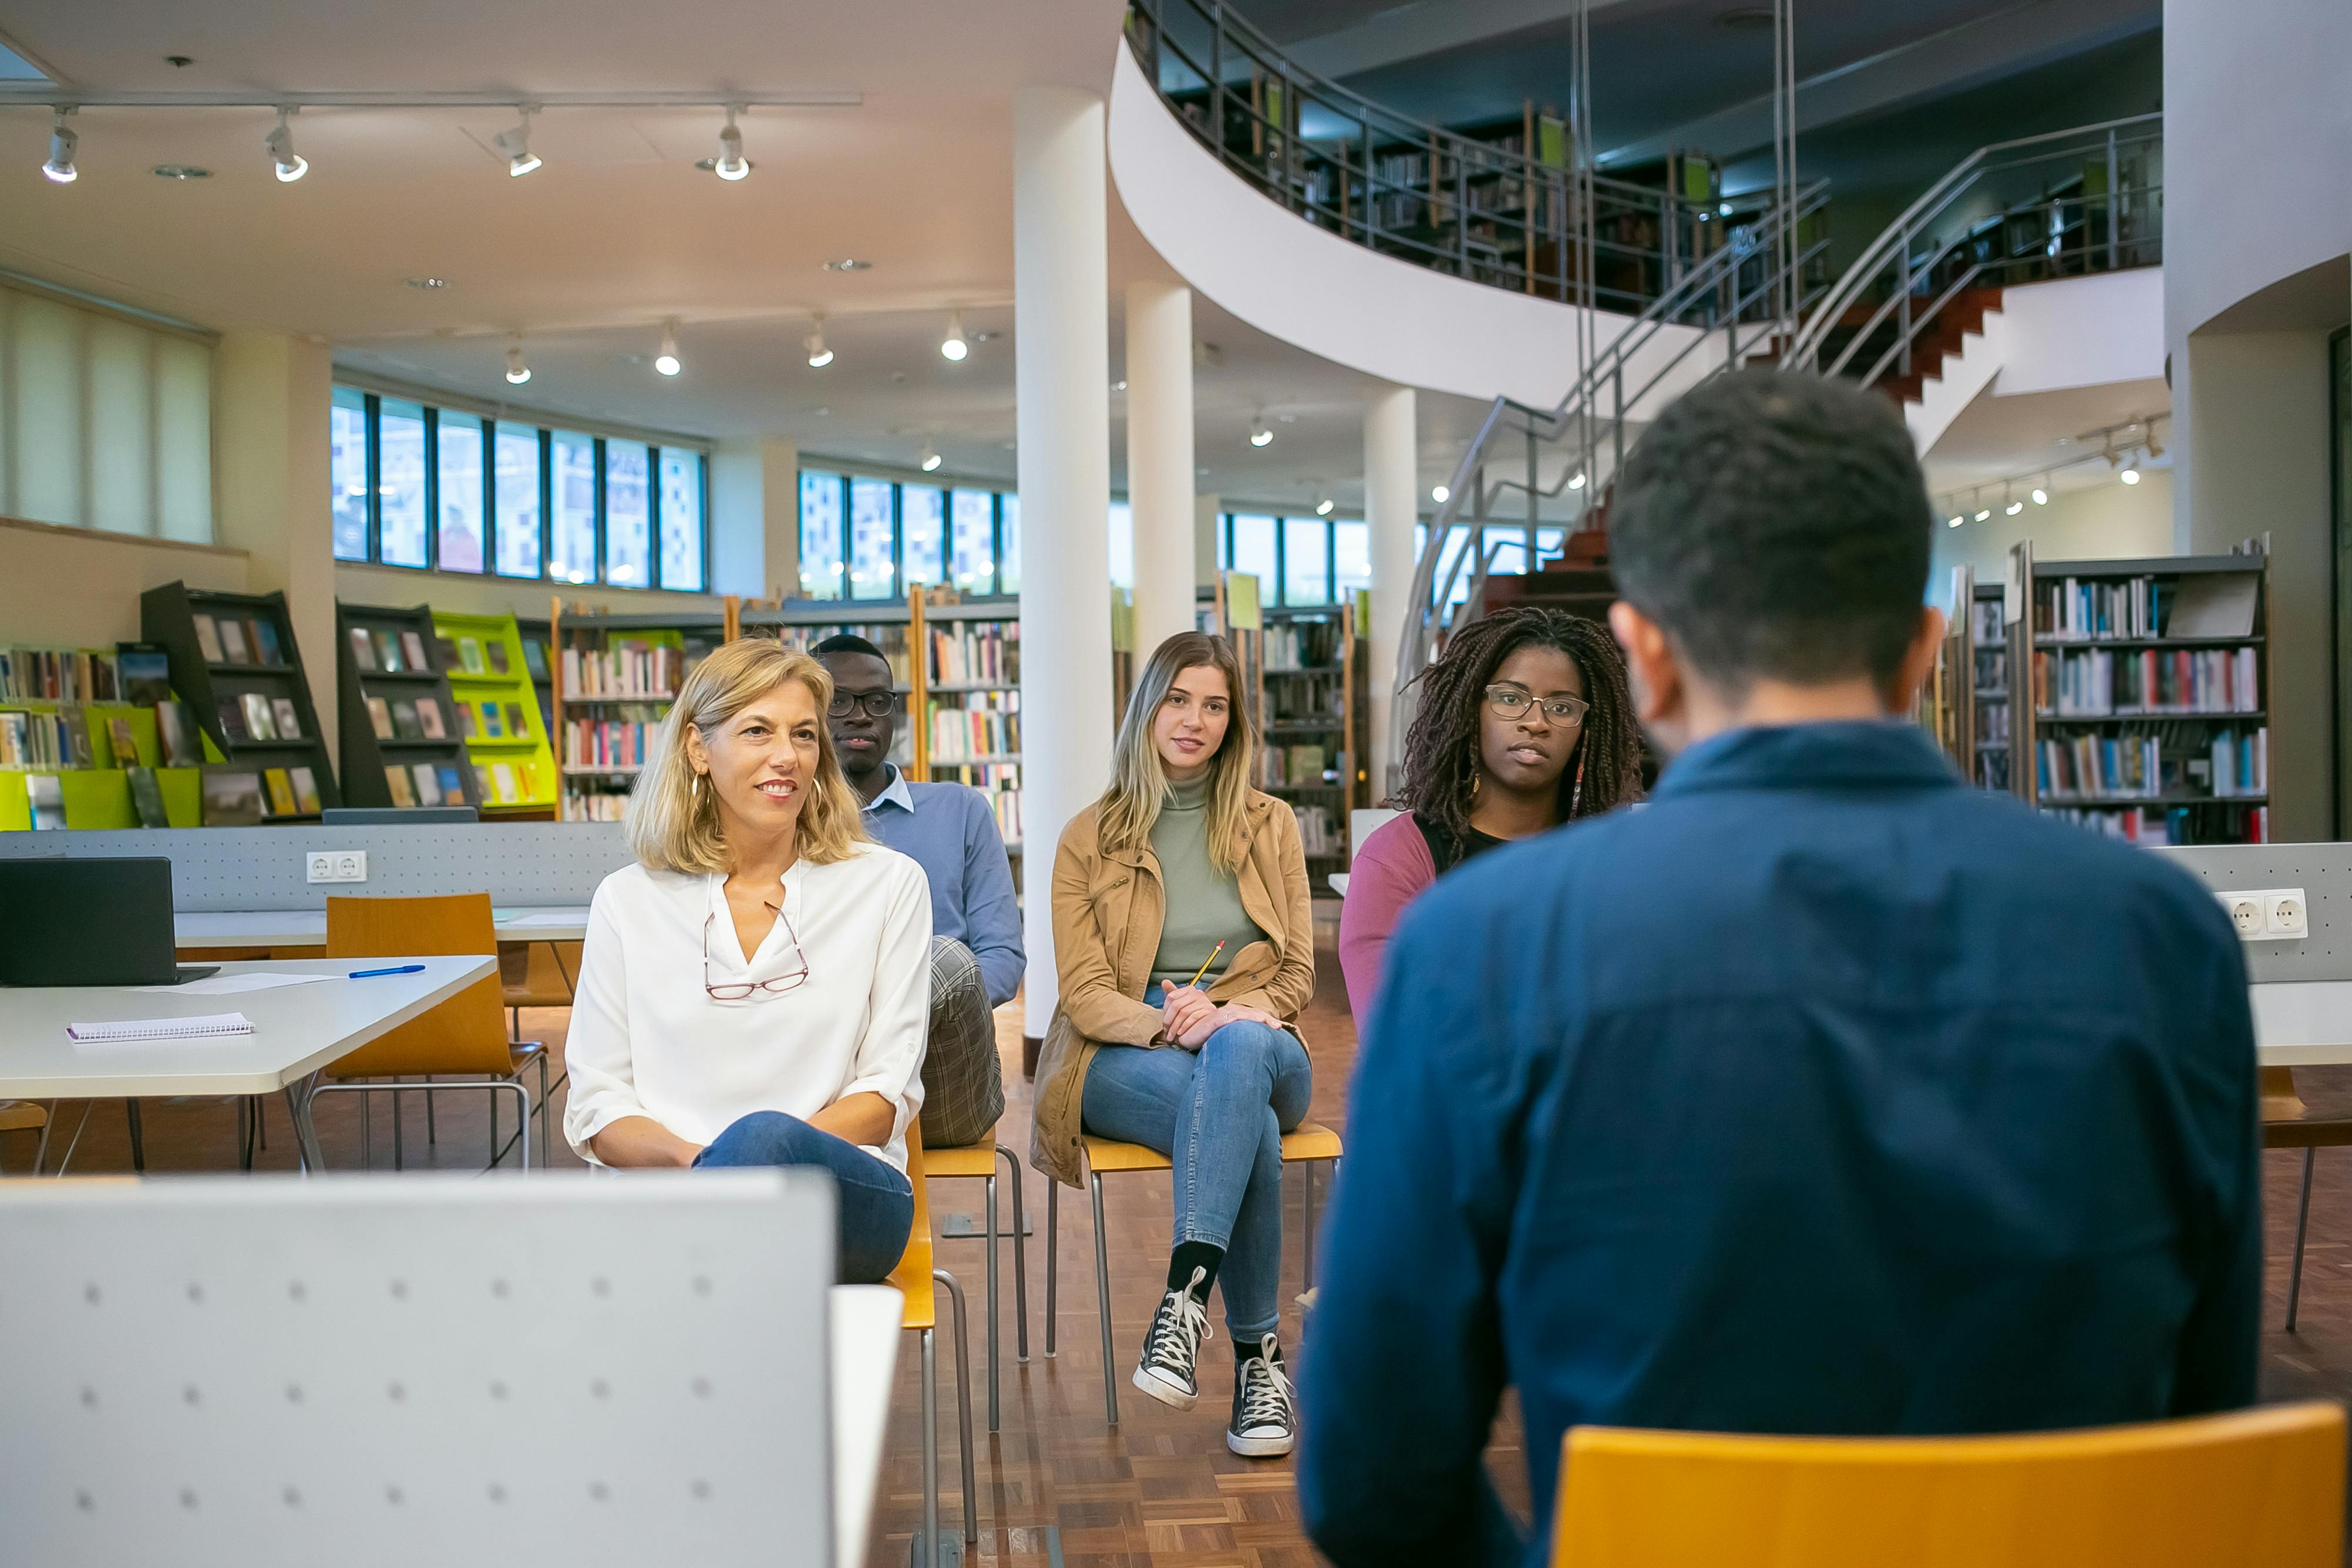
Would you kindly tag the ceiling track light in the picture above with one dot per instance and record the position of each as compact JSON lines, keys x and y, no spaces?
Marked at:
{"x":731,"y":165}
{"x":1323,"y":507}
{"x":953,"y":347}
{"x":2042,"y":491}
{"x":819,"y":356}
{"x":666,"y":362}
{"x":62,"y":142}
{"x":515,"y":146}
{"x":1261,"y":434}
{"x":279,"y":146}
{"x":2130,"y":475}
{"x":1983,"y":513}
{"x":930,"y":459}
{"x":517,"y":371}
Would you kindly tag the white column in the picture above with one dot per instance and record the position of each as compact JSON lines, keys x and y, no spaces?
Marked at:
{"x":1208,"y":511}
{"x":755,"y":516}
{"x":1061,"y":304}
{"x":272,"y":489}
{"x":1159,"y":458}
{"x":1392,"y":506}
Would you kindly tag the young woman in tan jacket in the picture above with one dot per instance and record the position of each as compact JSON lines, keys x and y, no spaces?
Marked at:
{"x":1182,"y":865}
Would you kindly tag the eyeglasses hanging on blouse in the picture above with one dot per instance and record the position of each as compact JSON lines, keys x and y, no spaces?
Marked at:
{"x":737,"y":991}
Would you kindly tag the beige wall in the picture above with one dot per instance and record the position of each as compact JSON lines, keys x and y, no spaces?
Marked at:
{"x":75,"y":587}
{"x":463,"y":593}
{"x":2104,"y":521}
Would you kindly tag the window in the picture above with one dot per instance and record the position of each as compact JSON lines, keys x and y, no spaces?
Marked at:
{"x":1507,"y":551}
{"x":971,"y":516}
{"x":682,"y":519}
{"x":1253,"y":552}
{"x":1122,"y":545}
{"x":347,"y":468}
{"x":458,"y":463}
{"x":923,"y":528}
{"x":1305,"y":561}
{"x":516,"y":487}
{"x":821,"y":536}
{"x":873,"y":574}
{"x":1351,"y":558}
{"x":105,"y":422}
{"x":400,"y":484}
{"x":571,"y":532}
{"x":1008,"y":544}
{"x":628,"y":515}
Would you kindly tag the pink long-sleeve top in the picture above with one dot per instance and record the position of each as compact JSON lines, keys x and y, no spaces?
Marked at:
{"x":1390,"y":870}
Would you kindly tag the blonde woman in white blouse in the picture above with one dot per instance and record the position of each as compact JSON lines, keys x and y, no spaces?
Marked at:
{"x":756,"y":989}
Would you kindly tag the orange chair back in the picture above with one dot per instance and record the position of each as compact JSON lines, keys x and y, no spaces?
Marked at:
{"x":2264,"y":1485}
{"x":913,"y":1274}
{"x":466,"y":1034}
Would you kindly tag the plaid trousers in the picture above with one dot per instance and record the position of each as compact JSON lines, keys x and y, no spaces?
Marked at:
{"x":964,"y":1085}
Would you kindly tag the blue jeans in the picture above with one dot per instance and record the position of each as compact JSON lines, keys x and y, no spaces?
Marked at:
{"x":1218,"y":1113}
{"x":875,"y":1206}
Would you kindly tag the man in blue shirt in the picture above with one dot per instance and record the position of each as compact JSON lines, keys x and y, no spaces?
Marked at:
{"x":1824,"y":1094}
{"x":950,"y":831}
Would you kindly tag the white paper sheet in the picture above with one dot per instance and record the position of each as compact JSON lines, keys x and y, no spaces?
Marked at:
{"x":229,"y":985}
{"x":545,"y":918}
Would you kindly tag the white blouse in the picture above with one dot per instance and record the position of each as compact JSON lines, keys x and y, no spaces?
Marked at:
{"x":647,"y":1040}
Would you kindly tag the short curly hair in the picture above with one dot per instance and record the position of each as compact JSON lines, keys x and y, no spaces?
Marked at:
{"x":1441,"y":751}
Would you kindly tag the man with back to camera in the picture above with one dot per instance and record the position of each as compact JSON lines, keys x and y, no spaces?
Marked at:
{"x":949,"y":830}
{"x":1824,"y":1095}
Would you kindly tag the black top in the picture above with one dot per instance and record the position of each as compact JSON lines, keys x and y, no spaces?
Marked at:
{"x":1449,"y":849}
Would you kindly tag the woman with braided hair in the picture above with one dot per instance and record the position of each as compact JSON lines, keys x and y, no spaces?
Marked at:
{"x":1524,"y":723}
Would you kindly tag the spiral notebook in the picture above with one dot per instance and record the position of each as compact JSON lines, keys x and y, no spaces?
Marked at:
{"x":205,"y":1026}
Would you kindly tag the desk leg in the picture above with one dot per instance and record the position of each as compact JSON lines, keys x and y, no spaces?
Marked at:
{"x":306,"y":1137}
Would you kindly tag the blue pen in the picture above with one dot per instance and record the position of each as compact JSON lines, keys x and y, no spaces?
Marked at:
{"x":396,"y":969}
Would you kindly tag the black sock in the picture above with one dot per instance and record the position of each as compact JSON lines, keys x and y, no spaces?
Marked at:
{"x":1250,"y":1349}
{"x":1189,"y":1255}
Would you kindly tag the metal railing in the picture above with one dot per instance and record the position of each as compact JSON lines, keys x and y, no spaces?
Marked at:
{"x":2089,"y":199}
{"x":1513,"y":211}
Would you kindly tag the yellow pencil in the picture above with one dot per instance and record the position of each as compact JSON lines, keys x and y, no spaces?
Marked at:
{"x":1205,"y":962}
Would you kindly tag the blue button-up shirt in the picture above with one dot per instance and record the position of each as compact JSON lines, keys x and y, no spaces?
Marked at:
{"x":951,"y":832}
{"x":1823,"y":1095}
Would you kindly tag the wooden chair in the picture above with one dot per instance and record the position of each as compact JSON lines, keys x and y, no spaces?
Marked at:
{"x":977,"y":1162}
{"x":23,"y":1116}
{"x":536,"y":974}
{"x":460,"y":1035}
{"x":916,"y":1278}
{"x":2287,"y":1123}
{"x":1311,"y":1144}
{"x":2262,"y":1486}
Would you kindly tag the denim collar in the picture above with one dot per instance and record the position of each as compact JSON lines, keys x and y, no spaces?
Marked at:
{"x":1848,"y":754}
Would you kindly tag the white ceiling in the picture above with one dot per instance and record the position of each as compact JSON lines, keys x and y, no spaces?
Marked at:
{"x":1998,"y":438}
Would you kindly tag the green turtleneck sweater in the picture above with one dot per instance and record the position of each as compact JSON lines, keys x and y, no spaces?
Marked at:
{"x":1204,"y":904}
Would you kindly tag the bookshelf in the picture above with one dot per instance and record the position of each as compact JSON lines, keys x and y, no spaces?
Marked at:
{"x":80,"y":749}
{"x":1988,"y":758}
{"x":233,"y":658}
{"x":401,"y":743}
{"x":499,"y":719}
{"x":1315,"y":722}
{"x":2140,"y":695}
{"x":963,"y":700}
{"x":612,"y":681}
{"x":536,"y":640}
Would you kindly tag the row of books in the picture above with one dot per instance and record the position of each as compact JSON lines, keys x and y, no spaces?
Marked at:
{"x":399,"y":719}
{"x":983,"y":724}
{"x":2232,"y":765}
{"x":2157,"y":826}
{"x":57,"y":675}
{"x":2099,"y":682}
{"x":378,"y":650}
{"x":1301,"y":645}
{"x":2219,"y":604}
{"x":2241,"y":764}
{"x":1317,"y":836}
{"x":1295,"y":766}
{"x":258,"y":716}
{"x":1000,"y":782}
{"x":240,"y":639}
{"x":971,"y":651}
{"x":595,"y":807}
{"x":890,"y":637}
{"x":1313,"y":699}
{"x":606,"y":742}
{"x":241,"y":797}
{"x":62,"y":740}
{"x":46,"y":793}
{"x":1988,"y":629}
{"x":1992,"y":722}
{"x":626,"y":670}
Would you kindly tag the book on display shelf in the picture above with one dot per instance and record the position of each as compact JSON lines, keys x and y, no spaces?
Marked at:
{"x":394,"y":692}
{"x":235,"y":661}
{"x":493,"y":716}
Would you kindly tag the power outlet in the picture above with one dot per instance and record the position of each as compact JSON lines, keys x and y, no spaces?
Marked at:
{"x":2271,"y":914}
{"x":336,"y":864}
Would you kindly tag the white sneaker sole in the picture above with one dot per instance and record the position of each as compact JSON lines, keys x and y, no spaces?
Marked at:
{"x":1166,"y":1390}
{"x":1260,"y":1447}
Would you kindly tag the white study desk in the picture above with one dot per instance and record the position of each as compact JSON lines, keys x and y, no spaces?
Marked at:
{"x":308,"y":927}
{"x":865,"y":1320}
{"x":2302,"y":1023}
{"x":298,"y":1029}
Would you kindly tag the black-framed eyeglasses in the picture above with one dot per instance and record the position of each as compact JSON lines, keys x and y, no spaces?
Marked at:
{"x":1511,"y":702}
{"x":737,"y":991}
{"x":879,"y":704}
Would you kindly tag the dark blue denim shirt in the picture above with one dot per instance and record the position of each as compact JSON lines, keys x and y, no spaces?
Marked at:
{"x":1823,"y":1095}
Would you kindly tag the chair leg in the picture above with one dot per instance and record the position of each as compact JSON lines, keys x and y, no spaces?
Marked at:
{"x":138,"y":1136}
{"x":2302,"y":1223}
{"x":963,"y":1403}
{"x":1102,"y":1304}
{"x":249,"y":1111}
{"x":931,"y":1453}
{"x":546,"y":1146}
{"x":1308,"y":1171}
{"x":992,"y":1410}
{"x":1052,"y":1245}
{"x":399,"y":1141}
{"x":432,"y":1132}
{"x":367,"y":1132}
{"x":1020,"y":1258}
{"x":496,"y":1149}
{"x":48,"y":1125}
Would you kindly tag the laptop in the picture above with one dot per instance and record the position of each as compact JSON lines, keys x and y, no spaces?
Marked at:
{"x":95,"y":921}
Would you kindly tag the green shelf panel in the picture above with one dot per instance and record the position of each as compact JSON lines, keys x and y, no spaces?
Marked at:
{"x":537,"y":758}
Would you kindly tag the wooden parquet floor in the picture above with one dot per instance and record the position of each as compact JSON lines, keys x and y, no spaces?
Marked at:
{"x":1162,"y":1490}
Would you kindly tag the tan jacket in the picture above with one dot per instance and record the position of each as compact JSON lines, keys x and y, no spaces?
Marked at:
{"x":1107,"y":911}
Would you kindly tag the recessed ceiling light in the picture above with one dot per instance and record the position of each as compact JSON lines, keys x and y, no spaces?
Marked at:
{"x":847,"y":264}
{"x":985,"y":337}
{"x":711,"y":167}
{"x":426,"y":282}
{"x":181,"y":172}
{"x":1118,"y":386}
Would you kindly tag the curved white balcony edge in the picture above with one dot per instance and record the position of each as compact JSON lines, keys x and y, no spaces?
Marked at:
{"x":1334,"y":297}
{"x":2094,"y":331}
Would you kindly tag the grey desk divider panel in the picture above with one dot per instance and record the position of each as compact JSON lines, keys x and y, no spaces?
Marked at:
{"x":277,"y":1372}
{"x":517,"y":863}
{"x":2323,"y":872}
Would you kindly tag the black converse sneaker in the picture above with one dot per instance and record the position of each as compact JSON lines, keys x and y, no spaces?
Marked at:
{"x":1264,"y":1426}
{"x":1171,"y":1346}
